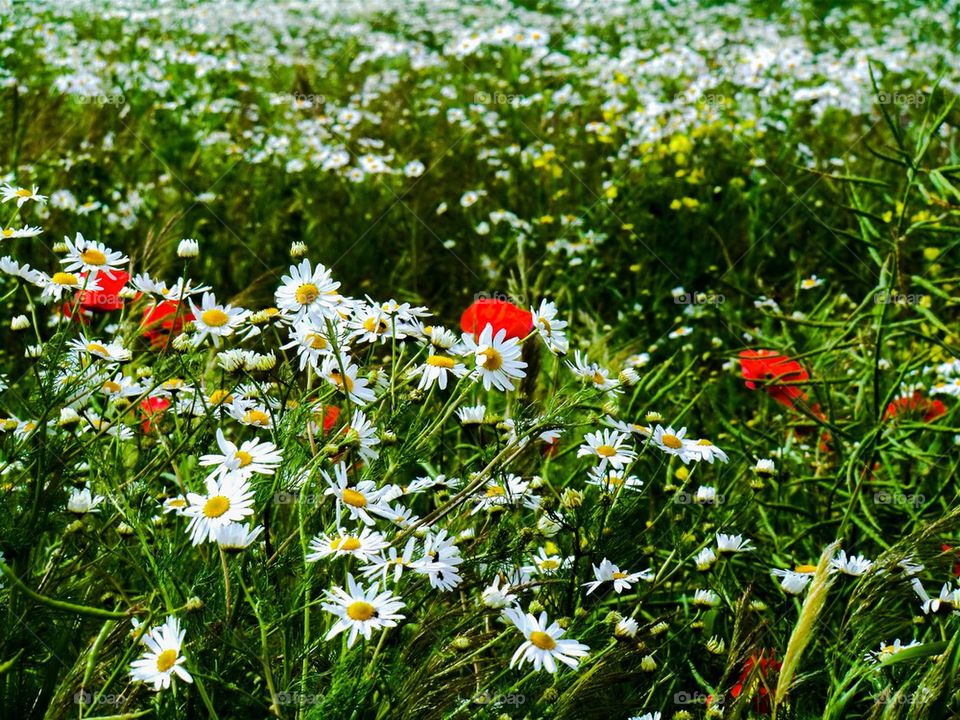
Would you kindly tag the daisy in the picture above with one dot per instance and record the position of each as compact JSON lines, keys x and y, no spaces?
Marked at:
{"x":795,"y":581}
{"x":626,"y":628}
{"x":228,"y":500}
{"x":591,"y":373}
{"x":703,"y":449}
{"x":707,"y":495}
{"x":307,"y":292}
{"x":612,"y":480}
{"x":436,"y":369}
{"x":311,"y":343}
{"x":608,"y":572}
{"x":512,"y":490}
{"x":213,"y":319}
{"x":497,"y":596}
{"x":365,"y":545}
{"x":472,"y":414}
{"x":54,"y":286}
{"x":672,"y":443}
{"x":497,"y":362}
{"x":361,"y":611}
{"x":550,"y":328}
{"x":89,"y":256}
{"x":25,"y":232}
{"x":82,"y":502}
{"x":253,"y":456}
{"x":111,"y":352}
{"x":398,"y":561}
{"x":21,"y":195}
{"x":162,"y":658}
{"x":441,"y":561}
{"x":609,"y":447}
{"x":888,"y":650}
{"x":543,"y":644}
{"x":811,"y":282}
{"x":947,"y":601}
{"x":705,"y":559}
{"x":120,"y":386}
{"x":854,"y":565}
{"x":363,"y":435}
{"x":234,"y":537}
{"x":11,"y":267}
{"x":706,"y":598}
{"x":732,"y":544}
{"x":357,"y":388}
{"x":358,"y":500}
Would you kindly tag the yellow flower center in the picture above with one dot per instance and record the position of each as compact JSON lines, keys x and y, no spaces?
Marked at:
{"x":62,"y":278}
{"x":495,"y":491}
{"x":606,"y":451}
{"x":806,"y":568}
{"x":598,"y":379}
{"x":705,"y":443}
{"x":23,"y":192}
{"x":244,"y":457}
{"x":216,"y":506}
{"x":542,"y":640}
{"x":316,"y":341}
{"x":220,"y":396}
{"x":8,"y":232}
{"x":549,"y":564}
{"x":97,"y":348}
{"x":341,"y":380}
{"x":375,"y":325}
{"x":256,"y":417}
{"x":614,"y":480}
{"x":361,"y":611}
{"x":672,"y":441}
{"x":215,"y":317}
{"x":166,"y":660}
{"x":889,"y":649}
{"x":440,"y":361}
{"x":492,"y":359}
{"x":111,"y":386}
{"x":92,"y":256}
{"x":619,"y":575}
{"x":354,"y":498}
{"x":307,"y":293}
{"x":348,"y":544}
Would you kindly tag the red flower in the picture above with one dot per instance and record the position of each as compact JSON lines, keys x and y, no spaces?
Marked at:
{"x":330,"y":415}
{"x":501,"y":314}
{"x":107,"y":298}
{"x":769,"y":370}
{"x":159,"y":322}
{"x":768,"y":667}
{"x":916,"y":405}
{"x":956,"y":557}
{"x":151,"y":409}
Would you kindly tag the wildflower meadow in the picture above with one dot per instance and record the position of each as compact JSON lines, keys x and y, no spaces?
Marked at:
{"x":528,"y":359}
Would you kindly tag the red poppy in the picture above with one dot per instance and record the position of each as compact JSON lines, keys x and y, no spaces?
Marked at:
{"x":501,"y":314}
{"x":107,"y":298}
{"x":916,"y":405}
{"x":151,"y":409}
{"x":956,"y":557}
{"x":768,"y":370}
{"x":162,"y":320}
{"x":768,"y":667}
{"x":330,"y":414}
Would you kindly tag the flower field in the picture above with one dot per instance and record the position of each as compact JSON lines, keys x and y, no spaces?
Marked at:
{"x":510,"y":359}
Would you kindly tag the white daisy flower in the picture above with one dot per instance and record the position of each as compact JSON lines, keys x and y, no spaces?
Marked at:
{"x":543,"y":643}
{"x":228,"y":500}
{"x":82,"y":501}
{"x":550,"y":327}
{"x":472,"y":414}
{"x":794,"y":582}
{"x":252,"y":456}
{"x":608,"y":572}
{"x":436,"y":369}
{"x":364,"y":545}
{"x":705,"y":450}
{"x":306,"y":292}
{"x":854,"y":565}
{"x":497,"y":358}
{"x":592,"y":373}
{"x":162,"y":658}
{"x":357,"y":389}
{"x":732,"y":544}
{"x":21,"y":195}
{"x":612,"y":480}
{"x":213,"y":319}
{"x":609,"y":447}
{"x":671,"y":442}
{"x":358,"y":500}
{"x":234,"y":537}
{"x":497,"y":595}
{"x":361,"y":611}
{"x":91,"y":257}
